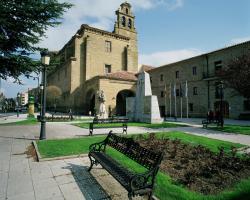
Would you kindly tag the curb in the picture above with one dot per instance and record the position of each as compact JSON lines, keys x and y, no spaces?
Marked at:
{"x":40,"y":159}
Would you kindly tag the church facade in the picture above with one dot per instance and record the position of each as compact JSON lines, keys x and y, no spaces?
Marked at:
{"x":95,"y":60}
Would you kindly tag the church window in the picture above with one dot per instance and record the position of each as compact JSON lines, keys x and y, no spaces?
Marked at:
{"x":177,"y":74}
{"x":130,"y":23}
{"x":123,"y":21}
{"x":195,"y":91}
{"x":107,"y":69}
{"x":162,"y":93}
{"x":161,"y":77}
{"x":194,"y":70}
{"x":108,"y":46}
{"x":218,"y":65}
{"x":177,"y":92}
{"x":126,"y":11}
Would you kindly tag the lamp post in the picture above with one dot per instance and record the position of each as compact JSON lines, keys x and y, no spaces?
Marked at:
{"x":17,"y":102}
{"x":45,"y":62}
{"x":221,"y":86}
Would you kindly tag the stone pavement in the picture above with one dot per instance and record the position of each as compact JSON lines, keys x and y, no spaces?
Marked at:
{"x":21,"y":178}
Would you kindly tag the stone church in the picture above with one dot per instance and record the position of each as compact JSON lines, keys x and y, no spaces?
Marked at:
{"x":95,"y":60}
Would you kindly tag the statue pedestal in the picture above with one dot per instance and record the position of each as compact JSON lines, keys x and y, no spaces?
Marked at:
{"x":144,"y":107}
{"x":102,"y":114}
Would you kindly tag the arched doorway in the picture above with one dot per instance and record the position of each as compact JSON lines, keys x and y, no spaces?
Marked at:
{"x":90,"y":102}
{"x":225,"y":107}
{"x":121,"y":101}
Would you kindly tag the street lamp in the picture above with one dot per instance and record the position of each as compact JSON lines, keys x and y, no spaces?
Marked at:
{"x":17,"y":102}
{"x":221,"y":87}
{"x":45,"y":62}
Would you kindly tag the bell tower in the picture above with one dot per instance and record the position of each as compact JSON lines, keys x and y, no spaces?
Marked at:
{"x":125,"y":26}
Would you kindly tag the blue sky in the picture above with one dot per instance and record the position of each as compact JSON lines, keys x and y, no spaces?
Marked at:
{"x":168,"y":30}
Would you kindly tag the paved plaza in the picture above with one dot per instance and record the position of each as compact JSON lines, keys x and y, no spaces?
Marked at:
{"x":23,"y":178}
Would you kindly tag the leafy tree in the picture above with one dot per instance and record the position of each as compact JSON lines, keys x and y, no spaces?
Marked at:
{"x":53,"y":94}
{"x":237,"y":75}
{"x":22,"y":25}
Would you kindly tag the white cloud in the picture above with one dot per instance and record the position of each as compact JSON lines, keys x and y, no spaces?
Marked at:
{"x":240,"y":40}
{"x":97,"y":13}
{"x":165,"y":57}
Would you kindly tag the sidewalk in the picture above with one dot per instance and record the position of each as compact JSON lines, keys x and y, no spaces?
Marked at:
{"x":197,"y":121}
{"x":21,"y":178}
{"x":12,"y":117}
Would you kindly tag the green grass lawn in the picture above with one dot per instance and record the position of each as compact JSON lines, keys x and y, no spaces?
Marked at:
{"x":28,"y":121}
{"x":147,"y":125}
{"x":233,"y":129}
{"x":65,"y":147}
{"x":165,"y":187}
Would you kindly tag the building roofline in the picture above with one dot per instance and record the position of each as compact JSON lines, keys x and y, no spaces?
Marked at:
{"x":87,"y":27}
{"x":103,"y":32}
{"x":204,"y":54}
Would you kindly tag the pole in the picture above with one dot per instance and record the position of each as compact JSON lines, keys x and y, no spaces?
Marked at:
{"x":181,"y":107}
{"x":175,"y":110}
{"x":186,"y":95}
{"x":165,"y":103}
{"x":221,"y":106}
{"x":181,"y":98}
{"x":170,"y":101}
{"x":43,"y":106}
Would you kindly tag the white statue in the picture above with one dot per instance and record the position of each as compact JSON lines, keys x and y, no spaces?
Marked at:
{"x":102,"y":109}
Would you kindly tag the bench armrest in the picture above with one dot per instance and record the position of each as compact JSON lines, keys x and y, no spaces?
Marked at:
{"x":100,"y":146}
{"x":143,"y":180}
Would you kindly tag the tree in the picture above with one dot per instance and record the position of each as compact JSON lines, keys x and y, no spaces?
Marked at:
{"x":23,"y":23}
{"x":53,"y":94}
{"x":237,"y":75}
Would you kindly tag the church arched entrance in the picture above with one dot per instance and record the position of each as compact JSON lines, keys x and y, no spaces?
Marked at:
{"x":121,"y":101}
{"x":90,"y":102}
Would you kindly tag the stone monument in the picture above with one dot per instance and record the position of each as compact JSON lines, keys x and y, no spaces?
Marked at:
{"x":144,"y":107}
{"x":102,"y":113}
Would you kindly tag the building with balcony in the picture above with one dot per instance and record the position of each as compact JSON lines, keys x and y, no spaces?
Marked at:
{"x":201,"y":73}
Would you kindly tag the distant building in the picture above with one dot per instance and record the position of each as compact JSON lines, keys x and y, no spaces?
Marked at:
{"x":200,"y":72}
{"x":24,"y":98}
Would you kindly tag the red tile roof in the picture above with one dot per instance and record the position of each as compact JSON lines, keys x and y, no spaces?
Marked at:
{"x":122,"y":75}
{"x":146,"y":68}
